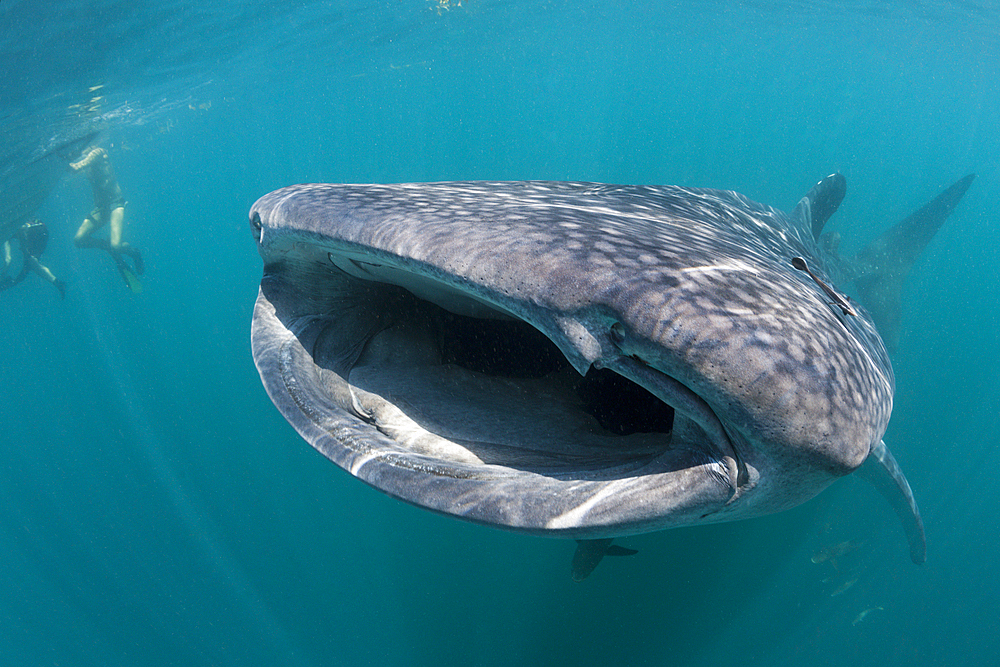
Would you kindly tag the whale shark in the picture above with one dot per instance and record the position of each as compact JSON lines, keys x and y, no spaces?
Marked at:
{"x":584,"y":360}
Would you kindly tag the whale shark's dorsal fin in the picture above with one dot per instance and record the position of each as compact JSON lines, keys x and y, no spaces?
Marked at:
{"x":822,"y":202}
{"x":882,"y":267}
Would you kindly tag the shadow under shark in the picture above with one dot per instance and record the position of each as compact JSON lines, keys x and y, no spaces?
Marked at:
{"x":583,"y":360}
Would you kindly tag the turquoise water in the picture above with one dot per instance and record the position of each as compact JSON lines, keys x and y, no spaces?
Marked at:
{"x":155,"y":508}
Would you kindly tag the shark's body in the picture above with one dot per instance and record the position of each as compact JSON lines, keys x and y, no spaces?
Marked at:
{"x":507,"y":352}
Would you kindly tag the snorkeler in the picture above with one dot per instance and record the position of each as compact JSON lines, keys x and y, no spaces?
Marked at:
{"x":109,"y":209}
{"x":33,"y":236}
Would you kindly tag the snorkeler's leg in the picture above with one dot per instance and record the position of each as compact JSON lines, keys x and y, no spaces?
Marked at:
{"x":83,"y":238}
{"x":45,"y":273}
{"x":7,"y":259}
{"x":117,"y":227}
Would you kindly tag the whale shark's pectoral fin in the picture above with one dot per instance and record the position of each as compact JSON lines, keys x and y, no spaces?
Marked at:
{"x":881,"y":469}
{"x":589,"y":553}
{"x":882,"y":267}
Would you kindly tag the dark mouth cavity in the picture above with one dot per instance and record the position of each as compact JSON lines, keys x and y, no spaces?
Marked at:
{"x":515,"y":349}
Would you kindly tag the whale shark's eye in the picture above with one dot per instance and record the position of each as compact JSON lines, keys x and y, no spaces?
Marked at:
{"x":617,"y":333}
{"x":256,"y":225}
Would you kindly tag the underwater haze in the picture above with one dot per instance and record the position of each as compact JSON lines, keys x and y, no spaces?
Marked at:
{"x":156,"y":509}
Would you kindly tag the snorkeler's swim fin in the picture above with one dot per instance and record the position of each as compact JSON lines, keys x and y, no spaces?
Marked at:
{"x":131,"y":280}
{"x":136,"y":256}
{"x":128,"y":275}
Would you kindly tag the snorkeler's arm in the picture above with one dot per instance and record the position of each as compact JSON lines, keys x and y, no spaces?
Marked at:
{"x":88,"y":158}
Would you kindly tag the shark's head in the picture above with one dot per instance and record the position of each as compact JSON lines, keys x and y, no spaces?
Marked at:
{"x":576,"y":359}
{"x":568,"y":358}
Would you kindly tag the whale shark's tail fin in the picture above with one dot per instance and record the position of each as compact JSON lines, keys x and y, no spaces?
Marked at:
{"x":882,"y":267}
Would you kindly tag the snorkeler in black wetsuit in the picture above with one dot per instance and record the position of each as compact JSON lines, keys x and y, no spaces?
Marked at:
{"x":109,"y":209}
{"x":32,"y":236}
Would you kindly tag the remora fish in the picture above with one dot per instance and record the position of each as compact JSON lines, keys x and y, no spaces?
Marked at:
{"x":576,"y":359}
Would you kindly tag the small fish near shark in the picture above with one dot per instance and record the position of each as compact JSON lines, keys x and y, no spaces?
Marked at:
{"x":583,"y":360}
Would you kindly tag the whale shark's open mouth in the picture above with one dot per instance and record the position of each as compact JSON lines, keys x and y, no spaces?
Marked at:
{"x":449,"y":403}
{"x":497,"y":391}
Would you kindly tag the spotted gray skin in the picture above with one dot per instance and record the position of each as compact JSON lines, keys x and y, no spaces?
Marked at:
{"x":689,"y":293}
